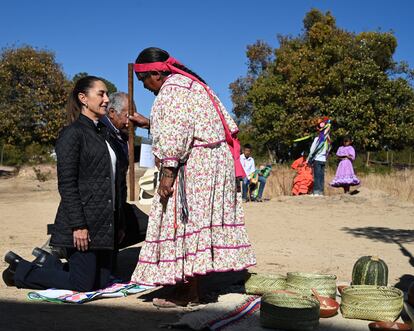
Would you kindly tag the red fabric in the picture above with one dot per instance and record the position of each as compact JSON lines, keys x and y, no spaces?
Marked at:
{"x":231,"y":137}
{"x":303,"y":182}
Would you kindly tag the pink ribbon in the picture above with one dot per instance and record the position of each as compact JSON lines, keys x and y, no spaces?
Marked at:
{"x":231,"y":138}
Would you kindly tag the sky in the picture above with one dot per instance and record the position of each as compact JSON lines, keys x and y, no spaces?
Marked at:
{"x":209,"y":36}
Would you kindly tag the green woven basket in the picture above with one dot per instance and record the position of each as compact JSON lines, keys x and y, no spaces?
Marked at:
{"x":259,"y":284}
{"x":373,"y":303}
{"x":289,"y":312}
{"x":304,"y":282}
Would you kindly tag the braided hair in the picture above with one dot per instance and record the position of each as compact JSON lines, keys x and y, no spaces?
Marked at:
{"x":154,"y":54}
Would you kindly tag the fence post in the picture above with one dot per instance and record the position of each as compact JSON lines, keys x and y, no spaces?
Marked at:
{"x":131,"y":132}
{"x":367,"y":164}
{"x":2,"y":153}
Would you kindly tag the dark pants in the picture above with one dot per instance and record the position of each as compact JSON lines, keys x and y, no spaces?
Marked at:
{"x":85,"y":271}
{"x":318,"y":177}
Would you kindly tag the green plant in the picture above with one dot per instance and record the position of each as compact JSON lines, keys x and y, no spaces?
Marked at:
{"x":33,"y":94}
{"x":42,"y":176}
{"x":13,"y":155}
{"x":36,"y":154}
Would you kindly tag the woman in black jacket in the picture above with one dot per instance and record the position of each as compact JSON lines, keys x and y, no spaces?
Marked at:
{"x":91,"y":170}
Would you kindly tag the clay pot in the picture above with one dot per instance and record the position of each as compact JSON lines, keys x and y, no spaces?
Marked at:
{"x":328,"y":306}
{"x":388,"y":326}
{"x":341,"y":288}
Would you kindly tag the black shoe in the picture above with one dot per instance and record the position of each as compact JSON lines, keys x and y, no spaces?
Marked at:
{"x":8,"y":277}
{"x":13,"y":259}
{"x":41,"y":256}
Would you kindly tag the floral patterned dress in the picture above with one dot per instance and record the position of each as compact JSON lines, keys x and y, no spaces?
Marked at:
{"x":187,"y":132}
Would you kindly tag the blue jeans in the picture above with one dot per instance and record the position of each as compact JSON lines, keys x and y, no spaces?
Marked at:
{"x":262,"y":184}
{"x":246,"y":185}
{"x":318,"y":177}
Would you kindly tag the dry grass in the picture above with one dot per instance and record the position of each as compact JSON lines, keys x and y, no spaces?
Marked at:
{"x":279,"y":182}
{"x":399,"y":184}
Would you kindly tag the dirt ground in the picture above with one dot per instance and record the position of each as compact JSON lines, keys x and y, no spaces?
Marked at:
{"x":309,"y":234}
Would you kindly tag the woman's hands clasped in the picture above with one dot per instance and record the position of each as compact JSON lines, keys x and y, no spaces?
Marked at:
{"x":165,"y":188}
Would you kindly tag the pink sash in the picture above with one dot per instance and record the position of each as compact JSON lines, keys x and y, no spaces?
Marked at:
{"x":231,"y":137}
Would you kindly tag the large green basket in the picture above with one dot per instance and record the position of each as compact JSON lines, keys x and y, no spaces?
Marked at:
{"x":259,"y":284}
{"x":289,"y":311}
{"x":304,"y":282}
{"x":373,"y":303}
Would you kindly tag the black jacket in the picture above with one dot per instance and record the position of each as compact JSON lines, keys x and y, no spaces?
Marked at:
{"x":84,"y":182}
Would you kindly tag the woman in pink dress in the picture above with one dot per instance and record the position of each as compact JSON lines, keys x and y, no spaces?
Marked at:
{"x":345,"y":176}
{"x":196,"y":223}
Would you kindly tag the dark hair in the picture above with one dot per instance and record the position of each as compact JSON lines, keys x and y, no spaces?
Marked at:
{"x":347,"y":138}
{"x":154,"y":54}
{"x":74,"y":106}
{"x":247,"y":146}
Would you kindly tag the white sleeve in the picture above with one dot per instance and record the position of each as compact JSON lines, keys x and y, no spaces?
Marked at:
{"x":313,"y":147}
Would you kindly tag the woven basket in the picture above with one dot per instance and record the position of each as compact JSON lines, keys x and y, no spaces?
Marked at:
{"x":373,"y":303}
{"x":259,"y":284}
{"x":304,"y":282}
{"x":289,"y":312}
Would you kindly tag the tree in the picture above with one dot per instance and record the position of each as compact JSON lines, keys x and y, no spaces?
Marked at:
{"x":110,"y":86}
{"x":327,"y":71}
{"x":259,"y":56}
{"x":33,"y":94}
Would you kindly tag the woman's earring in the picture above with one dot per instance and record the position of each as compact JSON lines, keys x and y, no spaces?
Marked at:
{"x":86,"y":105}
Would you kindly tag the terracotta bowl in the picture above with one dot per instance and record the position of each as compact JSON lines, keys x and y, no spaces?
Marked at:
{"x":388,"y":326}
{"x":341,"y":288}
{"x":329,"y":307}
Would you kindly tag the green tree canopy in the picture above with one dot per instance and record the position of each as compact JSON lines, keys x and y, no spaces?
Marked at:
{"x":33,"y":94}
{"x":327,"y":71}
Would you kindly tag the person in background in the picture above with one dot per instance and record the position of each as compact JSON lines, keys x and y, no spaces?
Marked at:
{"x":261,"y":175}
{"x":345,"y":175}
{"x":303,"y":181}
{"x":249,"y":167}
{"x":116,"y":118}
{"x":255,"y":181}
{"x":318,"y":155}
